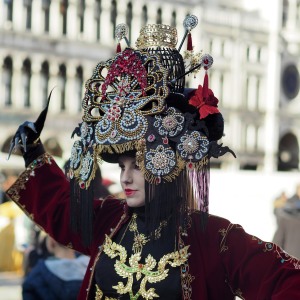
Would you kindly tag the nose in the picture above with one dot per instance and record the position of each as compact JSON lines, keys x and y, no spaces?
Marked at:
{"x":126,"y":176}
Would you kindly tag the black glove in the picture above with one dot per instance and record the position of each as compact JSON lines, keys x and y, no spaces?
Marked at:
{"x":28,"y":133}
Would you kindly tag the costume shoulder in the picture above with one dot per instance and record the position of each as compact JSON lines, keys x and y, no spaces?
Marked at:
{"x":213,"y":224}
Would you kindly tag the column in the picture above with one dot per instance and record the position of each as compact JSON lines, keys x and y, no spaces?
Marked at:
{"x":35,"y":91}
{"x":106,"y":35}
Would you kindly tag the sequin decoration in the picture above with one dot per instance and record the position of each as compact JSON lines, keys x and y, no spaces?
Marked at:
{"x":193,"y":146}
{"x":170,"y":124}
{"x":76,"y":153}
{"x":87,"y":166}
{"x":121,"y":93}
{"x":86,"y":133}
{"x":161,"y":160}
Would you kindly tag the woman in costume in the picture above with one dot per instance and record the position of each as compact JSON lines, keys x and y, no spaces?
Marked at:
{"x":160,"y":242}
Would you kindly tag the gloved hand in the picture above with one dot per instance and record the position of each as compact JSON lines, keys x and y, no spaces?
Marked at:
{"x":29,"y":133}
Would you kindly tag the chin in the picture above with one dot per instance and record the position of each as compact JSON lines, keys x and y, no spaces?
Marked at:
{"x":135,"y":202}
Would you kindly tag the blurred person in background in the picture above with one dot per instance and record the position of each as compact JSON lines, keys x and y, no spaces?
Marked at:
{"x":59,"y":276}
{"x":36,"y":249}
{"x":11,"y":231}
{"x":279,"y":201}
{"x":287,"y":234}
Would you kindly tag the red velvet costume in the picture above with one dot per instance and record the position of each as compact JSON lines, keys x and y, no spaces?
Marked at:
{"x":224,"y":261}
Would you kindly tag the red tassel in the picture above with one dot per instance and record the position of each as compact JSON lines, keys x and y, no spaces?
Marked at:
{"x":189,"y":42}
{"x":205,"y":86}
{"x":118,"y":48}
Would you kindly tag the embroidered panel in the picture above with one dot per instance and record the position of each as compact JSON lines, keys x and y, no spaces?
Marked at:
{"x":149,"y":271}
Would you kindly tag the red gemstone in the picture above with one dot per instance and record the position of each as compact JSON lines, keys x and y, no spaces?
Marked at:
{"x":190,"y":165}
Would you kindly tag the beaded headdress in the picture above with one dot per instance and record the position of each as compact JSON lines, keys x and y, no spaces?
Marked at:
{"x":137,"y":101}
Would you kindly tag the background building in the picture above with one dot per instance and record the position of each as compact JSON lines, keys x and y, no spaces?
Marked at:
{"x":46,"y":44}
{"x":56,"y":44}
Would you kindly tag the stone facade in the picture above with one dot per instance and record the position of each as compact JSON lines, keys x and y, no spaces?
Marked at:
{"x":56,"y":44}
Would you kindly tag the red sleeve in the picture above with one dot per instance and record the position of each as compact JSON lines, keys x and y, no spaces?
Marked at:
{"x":43,"y":193}
{"x":256,"y":269}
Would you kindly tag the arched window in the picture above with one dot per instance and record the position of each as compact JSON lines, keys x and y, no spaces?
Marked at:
{"x":129,"y":19}
{"x":7,"y":72}
{"x":46,"y":9}
{"x":28,"y":13}
{"x":173,"y":20}
{"x":159,"y":16}
{"x":78,"y":86}
{"x":113,"y":16}
{"x":144,"y":15}
{"x":44,"y":82}
{"x":9,"y":10}
{"x":97,"y":16}
{"x":288,"y":153}
{"x":80,"y":13}
{"x":26,"y":77}
{"x":63,"y":11}
{"x":62,"y":80}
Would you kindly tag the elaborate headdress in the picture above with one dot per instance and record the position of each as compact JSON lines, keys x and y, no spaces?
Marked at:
{"x":137,"y":101}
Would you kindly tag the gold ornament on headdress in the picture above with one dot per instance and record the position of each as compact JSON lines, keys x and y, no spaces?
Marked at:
{"x":157,"y":35}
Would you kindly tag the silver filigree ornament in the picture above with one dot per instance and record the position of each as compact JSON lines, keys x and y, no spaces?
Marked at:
{"x":87,"y":165}
{"x":206,"y":61}
{"x":121,"y":31}
{"x":160,"y":161}
{"x":76,"y":155}
{"x":86,"y":133}
{"x":190,"y":22}
{"x":171,"y":124}
{"x":193,"y":146}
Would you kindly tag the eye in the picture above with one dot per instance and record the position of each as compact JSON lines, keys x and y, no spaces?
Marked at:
{"x":121,"y":166}
{"x":136,"y":167}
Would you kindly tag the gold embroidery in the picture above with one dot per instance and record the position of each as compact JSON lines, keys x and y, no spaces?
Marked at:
{"x":97,"y":258}
{"x":99,"y":295}
{"x":14,"y":191}
{"x":186,"y":277}
{"x":20,"y":184}
{"x":140,"y":239}
{"x":145,"y":271}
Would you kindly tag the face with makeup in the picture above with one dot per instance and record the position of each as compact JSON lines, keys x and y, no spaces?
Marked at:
{"x":132,"y":181}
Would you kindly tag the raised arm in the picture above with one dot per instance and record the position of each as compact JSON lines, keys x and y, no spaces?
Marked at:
{"x":259,"y":270}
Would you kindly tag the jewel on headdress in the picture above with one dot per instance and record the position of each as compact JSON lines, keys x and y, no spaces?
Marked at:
{"x":190,"y":165}
{"x":121,"y":32}
{"x":151,"y":138}
{"x":189,"y":23}
{"x":207,"y":62}
{"x":158,"y":180}
{"x":127,"y":63}
{"x":165,"y":140}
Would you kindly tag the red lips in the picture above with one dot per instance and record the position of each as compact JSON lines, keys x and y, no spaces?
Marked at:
{"x":129,"y":192}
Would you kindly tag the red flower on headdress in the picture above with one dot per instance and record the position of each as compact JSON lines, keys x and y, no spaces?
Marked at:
{"x":207,"y":105}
